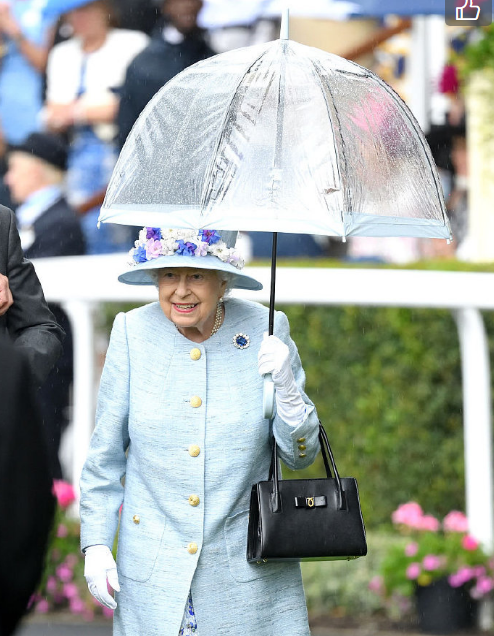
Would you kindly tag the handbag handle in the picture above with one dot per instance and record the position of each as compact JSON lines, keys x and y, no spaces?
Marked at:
{"x":326,"y":452}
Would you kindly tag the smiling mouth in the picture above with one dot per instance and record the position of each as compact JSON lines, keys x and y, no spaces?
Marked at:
{"x":185,"y":307}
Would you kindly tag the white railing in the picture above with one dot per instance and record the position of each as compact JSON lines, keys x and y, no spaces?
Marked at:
{"x":78,"y":283}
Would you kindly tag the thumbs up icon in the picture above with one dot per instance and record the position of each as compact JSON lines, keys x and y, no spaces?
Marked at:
{"x":468,"y":5}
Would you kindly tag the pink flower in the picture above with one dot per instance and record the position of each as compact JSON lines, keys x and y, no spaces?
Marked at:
{"x":431,"y":562}
{"x":411,"y":549}
{"x":153,"y":249}
{"x":376,"y":584}
{"x":64,"y":573}
{"x":71,"y":560}
{"x":62,"y":531}
{"x":64,"y":493}
{"x":42,"y":607}
{"x":413,"y":571}
{"x":455,"y":521}
{"x":469,"y":543}
{"x":428,"y":522}
{"x":484,"y":585}
{"x":461,"y":577}
{"x":408,"y":514}
{"x":51,"y":584}
{"x":70,"y":590}
{"x":107,"y":612}
{"x":77,"y":606}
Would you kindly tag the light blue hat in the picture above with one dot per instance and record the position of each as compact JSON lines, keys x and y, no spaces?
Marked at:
{"x":203,"y":249}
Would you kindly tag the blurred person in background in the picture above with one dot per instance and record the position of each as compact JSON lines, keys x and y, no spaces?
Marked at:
{"x":24,"y":314}
{"x":25,"y":39}
{"x":48,"y":226}
{"x":84,"y":76}
{"x":25,"y":488}
{"x":177,"y":43}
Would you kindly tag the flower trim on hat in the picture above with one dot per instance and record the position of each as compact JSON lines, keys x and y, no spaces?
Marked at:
{"x":154,"y":242}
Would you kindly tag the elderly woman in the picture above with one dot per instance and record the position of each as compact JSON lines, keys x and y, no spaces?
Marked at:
{"x":180,"y":416}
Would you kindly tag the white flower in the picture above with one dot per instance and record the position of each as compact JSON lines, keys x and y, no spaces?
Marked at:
{"x":142,"y":236}
{"x":168,"y":247}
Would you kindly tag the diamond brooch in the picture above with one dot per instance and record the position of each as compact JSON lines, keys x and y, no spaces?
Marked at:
{"x":241,"y":340}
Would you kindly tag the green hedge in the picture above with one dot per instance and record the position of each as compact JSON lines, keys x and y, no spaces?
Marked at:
{"x":387,"y":385}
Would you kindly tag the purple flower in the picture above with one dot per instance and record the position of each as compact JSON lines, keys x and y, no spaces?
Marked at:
{"x":186,"y":249}
{"x":140,"y":254}
{"x":202,"y":249}
{"x":153,"y":233}
{"x":209,"y":236}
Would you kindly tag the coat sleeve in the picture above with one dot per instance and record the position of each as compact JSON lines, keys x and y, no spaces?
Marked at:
{"x":101,"y":480}
{"x":298,"y":445}
{"x":30,"y":323}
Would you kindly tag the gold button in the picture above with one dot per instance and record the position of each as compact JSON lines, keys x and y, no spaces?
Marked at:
{"x":302,"y":454}
{"x":195,"y":401}
{"x":195,"y":354}
{"x":194,"y":500}
{"x":194,"y":450}
{"x":192,"y":548}
{"x":302,"y":447}
{"x":301,"y":440}
{"x":136,"y":519}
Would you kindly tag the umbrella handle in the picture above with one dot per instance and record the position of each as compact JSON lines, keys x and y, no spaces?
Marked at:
{"x":268,"y":396}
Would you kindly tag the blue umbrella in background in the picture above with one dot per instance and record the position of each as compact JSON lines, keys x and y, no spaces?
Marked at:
{"x":55,"y":8}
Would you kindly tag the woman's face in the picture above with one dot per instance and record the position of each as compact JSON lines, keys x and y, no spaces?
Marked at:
{"x":85,"y":19}
{"x":189,"y":297}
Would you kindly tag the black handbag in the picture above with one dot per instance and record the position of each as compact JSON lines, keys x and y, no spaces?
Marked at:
{"x":305,"y":519}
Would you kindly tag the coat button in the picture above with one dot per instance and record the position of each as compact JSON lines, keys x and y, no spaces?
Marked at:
{"x":194,"y":450}
{"x":195,"y":401}
{"x":302,"y":446}
{"x":195,"y":353}
{"x":136,"y":519}
{"x":302,"y":454}
{"x":192,"y":548}
{"x":301,"y":440}
{"x":194,"y":500}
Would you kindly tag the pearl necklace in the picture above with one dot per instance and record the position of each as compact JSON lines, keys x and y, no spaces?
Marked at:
{"x":218,"y":319}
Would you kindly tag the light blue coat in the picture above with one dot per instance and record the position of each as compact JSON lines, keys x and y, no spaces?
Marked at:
{"x":145,"y":408}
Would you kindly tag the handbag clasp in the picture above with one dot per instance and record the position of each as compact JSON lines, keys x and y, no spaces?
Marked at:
{"x":310,"y":502}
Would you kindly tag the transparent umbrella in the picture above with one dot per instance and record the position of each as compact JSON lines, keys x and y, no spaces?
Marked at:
{"x":279,"y":137}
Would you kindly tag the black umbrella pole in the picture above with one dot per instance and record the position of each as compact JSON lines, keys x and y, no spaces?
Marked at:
{"x":273,"y":283}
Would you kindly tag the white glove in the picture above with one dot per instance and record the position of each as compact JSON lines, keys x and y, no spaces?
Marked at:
{"x":274,"y":358}
{"x":100,"y":565}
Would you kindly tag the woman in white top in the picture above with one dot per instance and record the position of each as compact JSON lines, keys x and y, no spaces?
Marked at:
{"x":84,"y":76}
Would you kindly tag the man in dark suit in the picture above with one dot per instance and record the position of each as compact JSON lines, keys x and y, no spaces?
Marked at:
{"x":24,"y":314}
{"x":176,"y":43}
{"x":48,"y":227}
{"x":25,"y":488}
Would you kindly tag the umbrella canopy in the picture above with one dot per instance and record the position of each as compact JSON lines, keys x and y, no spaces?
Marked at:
{"x":278,"y":137}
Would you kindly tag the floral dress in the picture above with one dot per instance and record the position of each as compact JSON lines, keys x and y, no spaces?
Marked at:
{"x":189,"y":623}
